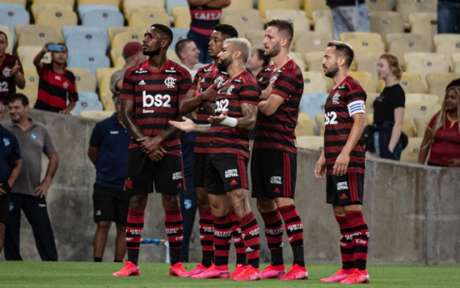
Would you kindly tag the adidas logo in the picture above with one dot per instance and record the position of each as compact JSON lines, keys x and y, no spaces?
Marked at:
{"x":142,"y":82}
{"x":249,"y":250}
{"x":98,"y":213}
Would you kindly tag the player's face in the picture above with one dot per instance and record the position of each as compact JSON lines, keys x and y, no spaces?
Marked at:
{"x":383,"y":69}
{"x":3,"y":44}
{"x":18,"y":111}
{"x":272,"y":41}
{"x":254,"y":62}
{"x":451,"y":101}
{"x":329,"y":62}
{"x":225,"y":57}
{"x":151,"y":45}
{"x":216,"y":42}
{"x":59,"y":57}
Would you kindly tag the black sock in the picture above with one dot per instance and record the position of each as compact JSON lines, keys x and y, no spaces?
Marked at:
{"x":297,"y":252}
{"x":97,"y":259}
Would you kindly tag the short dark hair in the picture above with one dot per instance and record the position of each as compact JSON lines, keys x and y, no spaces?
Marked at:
{"x":262,"y":56}
{"x":345,"y":49}
{"x":227,"y":30}
{"x":180,"y":46}
{"x":165,"y":30}
{"x":283,"y":26}
{"x":19,"y":97}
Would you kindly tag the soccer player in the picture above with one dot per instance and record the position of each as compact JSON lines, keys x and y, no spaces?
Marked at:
{"x":273,"y":164}
{"x":11,"y":72}
{"x":342,"y":160}
{"x":151,"y":96}
{"x":226,"y":165}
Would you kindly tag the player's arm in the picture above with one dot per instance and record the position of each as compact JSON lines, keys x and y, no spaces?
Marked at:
{"x":192,"y":102}
{"x":269,"y":106}
{"x":247,"y":122}
{"x":320,"y":165}
{"x":187,"y":125}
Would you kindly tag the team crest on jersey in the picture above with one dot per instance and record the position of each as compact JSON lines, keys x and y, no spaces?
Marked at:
{"x":170,"y":82}
{"x":230,"y":89}
{"x":336,"y":98}
{"x":141,"y":83}
{"x":219,"y":81}
{"x":6,"y":72}
{"x":65,"y":85}
{"x":141,"y":71}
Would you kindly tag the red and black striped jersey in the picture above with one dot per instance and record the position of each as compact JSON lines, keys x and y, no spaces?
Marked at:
{"x":55,"y":90}
{"x":204,"y":19}
{"x":156,"y":94}
{"x":277,"y":131}
{"x":263,"y":77}
{"x":7,"y":84}
{"x":204,"y":78}
{"x":345,"y":100}
{"x":230,"y":97}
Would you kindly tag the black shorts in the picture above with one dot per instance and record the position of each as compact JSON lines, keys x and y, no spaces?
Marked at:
{"x":4,"y":208}
{"x":225,"y":173}
{"x":345,"y":190}
{"x":199,"y":167}
{"x":167,"y":174}
{"x":110,"y":204}
{"x":273,"y":173}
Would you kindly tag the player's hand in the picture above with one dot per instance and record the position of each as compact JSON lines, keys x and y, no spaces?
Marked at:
{"x":341,"y":165}
{"x":16,"y":68}
{"x":216,"y":119}
{"x":210,"y":94}
{"x":266,"y":93}
{"x":320,"y":167}
{"x":157,"y":155}
{"x":454,"y":163}
{"x":150,"y":144}
{"x":43,"y":188}
{"x":187,"y":125}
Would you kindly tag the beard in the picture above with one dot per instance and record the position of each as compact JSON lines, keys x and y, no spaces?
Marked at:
{"x":151,"y":53}
{"x":274,"y":51}
{"x":223,"y":65}
{"x":331,"y":72}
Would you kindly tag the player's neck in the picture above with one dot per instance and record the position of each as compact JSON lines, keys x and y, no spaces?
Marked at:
{"x":235,"y":69}
{"x":157,"y":61}
{"x":340,"y":76}
{"x":256,"y":71}
{"x":281,"y":59}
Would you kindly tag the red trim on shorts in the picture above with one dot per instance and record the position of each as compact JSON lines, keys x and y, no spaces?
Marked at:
{"x":243,"y":174}
{"x":352,"y":183}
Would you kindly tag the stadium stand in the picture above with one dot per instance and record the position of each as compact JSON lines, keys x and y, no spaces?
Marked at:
{"x":27,"y":54}
{"x":243,"y":20}
{"x":322,"y":20}
{"x":31,"y":89}
{"x":171,"y":4}
{"x":385,"y":22}
{"x":315,"y":82}
{"x":378,"y":5}
{"x":424,"y":63}
{"x":88,"y":59}
{"x":313,"y":103}
{"x":83,"y":37}
{"x":310,"y":41}
{"x":424,"y":24}
{"x":141,"y":5}
{"x":410,"y":154}
{"x":310,"y":6}
{"x":413,"y":83}
{"x":401,"y":43}
{"x":13,"y":14}
{"x":144,"y":18}
{"x":265,"y":5}
{"x":305,"y":125}
{"x":447,"y":44}
{"x":313,"y":61}
{"x":364,"y":42}
{"x":181,"y":17}
{"x":367,"y":81}
{"x":297,"y":17}
{"x":437,"y":83}
{"x":37,"y":35}
{"x":102,"y":17}
{"x":406,"y":7}
{"x":87,"y":101}
{"x":86,"y":82}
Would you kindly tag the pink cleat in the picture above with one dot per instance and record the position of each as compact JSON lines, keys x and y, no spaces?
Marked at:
{"x":199,"y":268}
{"x":238,"y":269}
{"x":128,"y":269}
{"x":337,"y":276}
{"x":296,"y":272}
{"x":248,"y":273}
{"x":272,"y":271}
{"x":213,"y":272}
{"x":178,"y":270}
{"x":357,"y":277}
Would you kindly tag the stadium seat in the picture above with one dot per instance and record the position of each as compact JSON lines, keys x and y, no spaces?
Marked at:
{"x":420,"y":124}
{"x":171,"y":4}
{"x":456,"y":62}
{"x":310,"y":6}
{"x":11,"y":37}
{"x":315,"y":82}
{"x":21,"y":3}
{"x":171,"y":54}
{"x":256,"y":37}
{"x":447,"y":43}
{"x":96,"y":115}
{"x":31,"y":88}
{"x":409,"y":126}
{"x":364,"y":42}
{"x":103,"y":76}
{"x":145,"y":18}
{"x":367,"y":63}
{"x":424,"y":63}
{"x":87,"y":101}
{"x":406,"y":7}
{"x":70,"y":3}
{"x":309,"y":41}
{"x":305,"y":125}
{"x":385,"y":22}
{"x":421,"y":105}
{"x":370,"y":101}
{"x":313,"y":61}
{"x":323,"y":21}
{"x":56,"y":17}
{"x":141,"y":5}
{"x":37,"y":35}
{"x":83,"y":9}
{"x":298,"y":59}
{"x":412,"y":83}
{"x":13,"y":14}
{"x":27,"y":54}
{"x":297,"y":17}
{"x":410,"y":154}
{"x":37,"y":8}
{"x":313,"y":103}
{"x":88,"y":59}
{"x":86,"y":82}
{"x":121,"y":39}
{"x":102,"y":18}
{"x":239,"y":5}
{"x":401,"y":43}
{"x":181,"y":17}
{"x":319,"y":121}
{"x":112,"y":31}
{"x":107,"y":102}
{"x":424,"y":24}
{"x":310,"y":142}
{"x":119,"y":63}
{"x":83,"y":37}
{"x":366,"y":80}
{"x":99,"y":2}
{"x":265,"y":5}
{"x":437,"y":83}
{"x":243,"y":20}
{"x":378,"y":5}
{"x":178,"y":34}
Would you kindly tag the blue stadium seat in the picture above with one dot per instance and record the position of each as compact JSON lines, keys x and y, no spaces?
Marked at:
{"x":178,"y":33}
{"x":87,"y":101}
{"x":313,"y":103}
{"x":85,"y":38}
{"x":88,"y":59}
{"x":170,"y":4}
{"x":83,"y":9}
{"x":13,"y":14}
{"x":102,"y":18}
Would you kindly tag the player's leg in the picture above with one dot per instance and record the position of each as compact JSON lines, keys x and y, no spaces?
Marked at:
{"x":122,"y":204}
{"x":103,"y":206}
{"x":238,"y":242}
{"x":120,"y":243}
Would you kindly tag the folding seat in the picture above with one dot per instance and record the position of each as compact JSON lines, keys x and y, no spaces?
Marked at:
{"x":70,"y":3}
{"x":296,"y":17}
{"x":265,"y":5}
{"x":367,"y":63}
{"x":181,"y":17}
{"x":178,"y":34}
{"x":378,"y":5}
{"x":447,"y":43}
{"x":171,"y":54}
{"x":313,"y":61}
{"x":14,"y":2}
{"x":31,"y":88}
{"x":171,"y":4}
{"x":102,"y":18}
{"x":420,"y":125}
{"x":437,"y":83}
{"x":310,"y":142}
{"x":370,"y":101}
{"x":26,"y":55}
{"x":310,"y":6}
{"x":323,"y":21}
{"x":424,"y":63}
{"x":240,"y":5}
{"x":145,"y":18}
{"x":319,"y":121}
{"x":410,"y":154}
{"x":11,"y":37}
{"x":409,"y":126}
{"x":88,"y":59}
{"x":385,"y":22}
{"x":96,"y":115}
{"x":364,"y":42}
{"x":13,"y":14}
{"x":39,"y":7}
{"x":313,"y":103}
{"x":412,"y":83}
{"x":120,"y":40}
{"x":56,"y":17}
{"x":86,"y":82}
{"x":243,"y":20}
{"x":99,"y":2}
{"x":421,"y":105}
{"x":85,"y":8}
{"x":456,"y":62}
{"x":406,"y":7}
{"x":139,"y":5}
{"x":424,"y":24}
{"x":309,"y":41}
{"x":37,"y":35}
{"x":315,"y":82}
{"x":256,"y":37}
{"x":366,"y":80}
{"x":84,"y":37}
{"x":305,"y":125}
{"x":107,"y":102}
{"x":402,"y":43}
{"x":87,"y":101}
{"x":103,"y":76}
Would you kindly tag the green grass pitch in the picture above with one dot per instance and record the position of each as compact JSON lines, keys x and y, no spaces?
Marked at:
{"x":98,"y":275}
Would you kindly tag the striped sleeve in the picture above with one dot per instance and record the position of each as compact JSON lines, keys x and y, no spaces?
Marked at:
{"x":185,"y":84}
{"x":249,"y":94}
{"x":285,"y":85}
{"x":356,"y":100}
{"x":127,"y":93}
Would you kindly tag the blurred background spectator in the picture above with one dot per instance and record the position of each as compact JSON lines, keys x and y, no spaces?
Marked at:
{"x":349,"y":16}
{"x":188,"y":54}
{"x":448,"y":16}
{"x":257,"y":62}
{"x":11,"y":72}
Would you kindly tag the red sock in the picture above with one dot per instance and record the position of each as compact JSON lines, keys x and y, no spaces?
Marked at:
{"x":251,"y":238}
{"x":206,"y":235}
{"x":134,"y":228}
{"x":294,"y":229}
{"x":274,"y":235}
{"x":222,"y":235}
{"x":360,"y":237}
{"x":238,"y":239}
{"x":175,"y":233}
{"x":346,"y":244}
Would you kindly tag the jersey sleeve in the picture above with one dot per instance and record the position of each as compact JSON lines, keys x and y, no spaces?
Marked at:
{"x":285,"y":85}
{"x":185,"y":83}
{"x":249,"y":93}
{"x":127,"y":93}
{"x":355,"y":100}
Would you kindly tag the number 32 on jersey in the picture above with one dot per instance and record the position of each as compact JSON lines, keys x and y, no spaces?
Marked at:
{"x":330,"y":118}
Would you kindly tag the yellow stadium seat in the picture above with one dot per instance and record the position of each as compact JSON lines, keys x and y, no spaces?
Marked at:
{"x":256,"y":37}
{"x":424,"y":63}
{"x":298,"y":59}
{"x":103,"y":76}
{"x":378,"y":5}
{"x":319,"y":121}
{"x":20,"y":2}
{"x":37,"y":35}
{"x":129,"y":6}
{"x":409,"y":126}
{"x":120,"y":62}
{"x":27,"y":54}
{"x":370,"y":101}
{"x":315,"y":143}
{"x":421,"y":105}
{"x":367,"y":63}
{"x":447,"y":43}
{"x":112,"y":31}
{"x":171,"y":54}
{"x":31,"y":88}
{"x":243,"y":20}
{"x":145,"y":18}
{"x":456,"y":62}
{"x":420,"y":124}
{"x":305,"y":125}
{"x":323,"y":21}
{"x":296,"y":17}
{"x":437,"y":83}
{"x":107,"y":101}
{"x":401,"y":43}
{"x":314,"y":5}
{"x":121,"y":39}
{"x":41,"y":6}
{"x":366,"y":80}
{"x":315,"y":82}
{"x":181,"y":17}
{"x":9,"y":34}
{"x":239,"y":5}
{"x":424,"y":24}
{"x":59,"y":2}
{"x":412,"y":83}
{"x":406,"y":7}
{"x":364,"y":42}
{"x":56,"y":17}
{"x":99,"y":2}
{"x":265,"y":5}
{"x":96,"y":115}
{"x":309,"y":41}
{"x":85,"y":80}
{"x":313,"y":61}
{"x":385,"y":22}
{"x":410,"y":154}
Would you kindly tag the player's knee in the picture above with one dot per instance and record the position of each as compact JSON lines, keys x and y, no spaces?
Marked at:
{"x":266,"y":205}
{"x":103,"y":225}
{"x":339,"y":210}
{"x":121,"y":229}
{"x":202,"y":198}
{"x":282,"y":201}
{"x":240,"y":201}
{"x":170,"y":202}
{"x":138,"y":202}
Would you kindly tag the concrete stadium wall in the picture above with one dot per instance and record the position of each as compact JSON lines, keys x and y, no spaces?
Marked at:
{"x":413,"y":211}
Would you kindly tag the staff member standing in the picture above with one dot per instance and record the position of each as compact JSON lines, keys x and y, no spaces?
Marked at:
{"x":108,"y":151}
{"x":29,"y":192}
